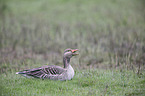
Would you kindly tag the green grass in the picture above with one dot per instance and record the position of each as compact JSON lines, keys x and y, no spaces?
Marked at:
{"x":109,"y":34}
{"x":84,"y":83}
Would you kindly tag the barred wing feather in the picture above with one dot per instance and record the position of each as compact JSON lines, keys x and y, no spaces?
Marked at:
{"x":43,"y":72}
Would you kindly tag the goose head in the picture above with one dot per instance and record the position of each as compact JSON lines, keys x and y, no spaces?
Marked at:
{"x":68,"y":53}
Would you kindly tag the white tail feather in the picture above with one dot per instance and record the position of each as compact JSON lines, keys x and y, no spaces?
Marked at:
{"x":17,"y":72}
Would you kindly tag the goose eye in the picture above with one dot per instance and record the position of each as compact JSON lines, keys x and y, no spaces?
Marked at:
{"x":67,"y":51}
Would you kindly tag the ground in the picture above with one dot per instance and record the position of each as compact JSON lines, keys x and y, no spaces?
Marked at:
{"x":110,"y":36}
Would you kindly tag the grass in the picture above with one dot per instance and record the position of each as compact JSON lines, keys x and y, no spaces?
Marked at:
{"x":110,"y":32}
{"x":85,"y":82}
{"x":110,"y":36}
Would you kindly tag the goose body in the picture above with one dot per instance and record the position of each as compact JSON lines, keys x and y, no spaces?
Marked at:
{"x":53,"y":72}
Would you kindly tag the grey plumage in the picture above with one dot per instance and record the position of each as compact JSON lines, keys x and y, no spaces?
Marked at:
{"x":53,"y":72}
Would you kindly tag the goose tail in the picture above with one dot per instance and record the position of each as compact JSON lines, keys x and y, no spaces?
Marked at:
{"x":20,"y":73}
{"x":17,"y":72}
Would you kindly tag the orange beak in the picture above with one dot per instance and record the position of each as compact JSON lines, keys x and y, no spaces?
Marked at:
{"x":74,"y":50}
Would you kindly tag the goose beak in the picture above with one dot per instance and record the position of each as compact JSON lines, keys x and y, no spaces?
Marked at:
{"x":74,"y":52}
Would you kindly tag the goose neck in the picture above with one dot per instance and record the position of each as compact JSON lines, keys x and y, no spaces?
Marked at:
{"x":66,"y":62}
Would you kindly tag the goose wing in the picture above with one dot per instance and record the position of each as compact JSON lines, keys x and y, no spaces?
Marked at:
{"x":43,"y":72}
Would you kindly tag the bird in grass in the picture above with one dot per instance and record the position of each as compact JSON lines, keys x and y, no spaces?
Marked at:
{"x":53,"y":72}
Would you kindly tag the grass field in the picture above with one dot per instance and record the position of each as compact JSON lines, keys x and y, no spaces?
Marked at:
{"x":88,"y":82}
{"x":110,"y":36}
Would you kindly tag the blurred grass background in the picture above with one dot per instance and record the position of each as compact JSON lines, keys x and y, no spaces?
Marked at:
{"x":110,"y":34}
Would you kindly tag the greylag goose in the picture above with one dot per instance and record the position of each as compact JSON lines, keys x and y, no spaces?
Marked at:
{"x":53,"y":72}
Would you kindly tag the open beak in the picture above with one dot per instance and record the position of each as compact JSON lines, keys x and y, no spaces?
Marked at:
{"x":74,"y":52}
